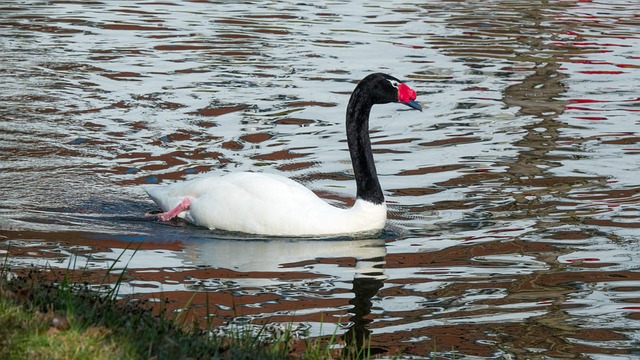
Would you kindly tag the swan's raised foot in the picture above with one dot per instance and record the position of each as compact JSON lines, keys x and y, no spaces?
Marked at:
{"x":166,"y":216}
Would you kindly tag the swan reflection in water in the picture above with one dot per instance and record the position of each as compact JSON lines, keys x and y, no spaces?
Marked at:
{"x":325,"y":257}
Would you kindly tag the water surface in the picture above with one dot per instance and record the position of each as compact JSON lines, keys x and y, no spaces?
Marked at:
{"x":514,"y":197}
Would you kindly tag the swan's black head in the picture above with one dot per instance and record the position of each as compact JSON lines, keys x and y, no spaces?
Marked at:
{"x":383,"y":89}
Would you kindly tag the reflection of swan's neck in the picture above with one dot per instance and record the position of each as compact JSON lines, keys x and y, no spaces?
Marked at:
{"x":364,"y":289}
{"x":364,"y":168}
{"x":372,"y":268}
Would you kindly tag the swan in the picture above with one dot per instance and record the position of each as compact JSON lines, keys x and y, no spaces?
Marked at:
{"x":273,"y":205}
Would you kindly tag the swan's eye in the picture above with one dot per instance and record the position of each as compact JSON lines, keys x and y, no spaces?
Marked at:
{"x":394,"y":83}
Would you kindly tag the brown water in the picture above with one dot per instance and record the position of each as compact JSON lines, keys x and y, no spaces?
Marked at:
{"x":514,"y":197}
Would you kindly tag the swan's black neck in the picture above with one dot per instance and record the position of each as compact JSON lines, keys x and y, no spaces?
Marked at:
{"x":368,"y":186}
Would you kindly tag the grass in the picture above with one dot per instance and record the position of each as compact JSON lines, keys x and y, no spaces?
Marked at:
{"x":65,"y":319}
{"x":31,"y":335}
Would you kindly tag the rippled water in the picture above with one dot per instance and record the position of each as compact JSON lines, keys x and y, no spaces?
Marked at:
{"x":514,"y":197}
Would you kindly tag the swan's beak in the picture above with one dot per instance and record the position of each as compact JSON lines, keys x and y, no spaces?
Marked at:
{"x":413,"y":104}
{"x":407,"y":96}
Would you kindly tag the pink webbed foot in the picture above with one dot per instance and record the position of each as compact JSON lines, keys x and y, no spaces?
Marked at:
{"x":165,"y":216}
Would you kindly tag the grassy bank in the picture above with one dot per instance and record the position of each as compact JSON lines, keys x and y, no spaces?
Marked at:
{"x":41,"y":319}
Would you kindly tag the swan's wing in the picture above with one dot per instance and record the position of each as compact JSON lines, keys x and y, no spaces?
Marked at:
{"x":244,"y":189}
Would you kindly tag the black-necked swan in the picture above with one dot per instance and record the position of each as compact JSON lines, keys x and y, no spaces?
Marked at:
{"x":269,"y":204}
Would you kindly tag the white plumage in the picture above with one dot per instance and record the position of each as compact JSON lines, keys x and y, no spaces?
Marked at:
{"x":268,"y":204}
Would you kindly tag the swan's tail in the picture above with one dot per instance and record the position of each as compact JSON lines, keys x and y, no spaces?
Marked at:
{"x":159,"y":196}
